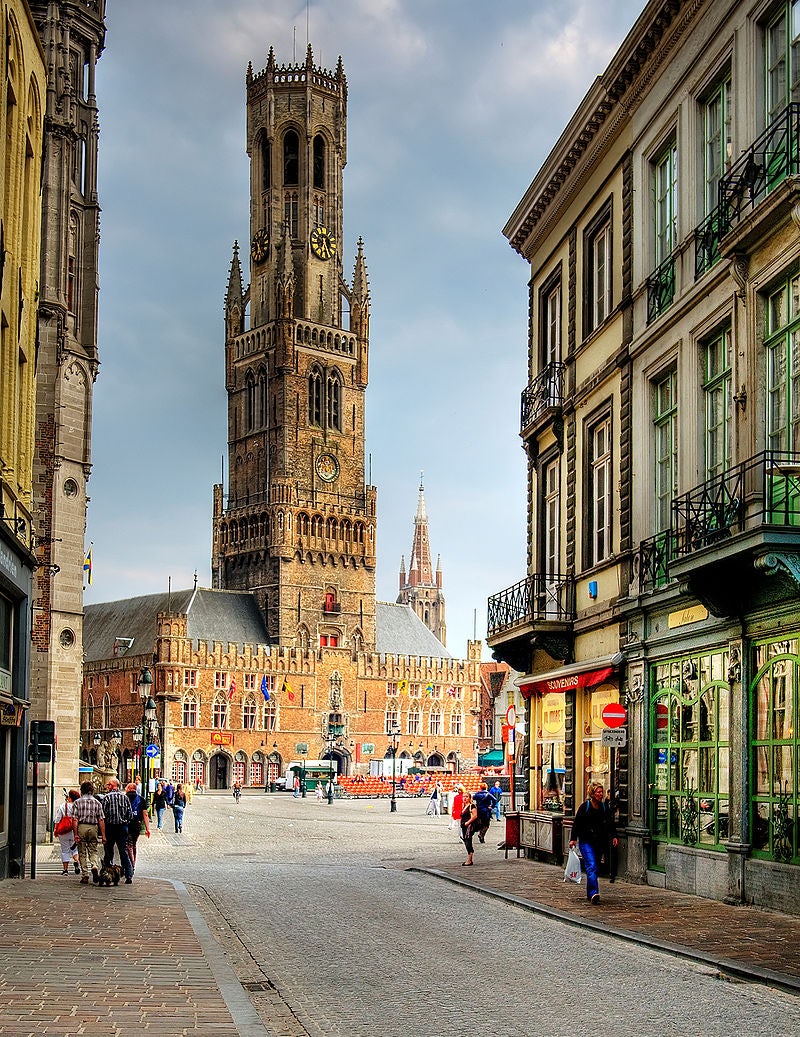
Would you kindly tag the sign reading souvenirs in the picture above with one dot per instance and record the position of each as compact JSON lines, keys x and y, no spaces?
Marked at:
{"x":614,"y":715}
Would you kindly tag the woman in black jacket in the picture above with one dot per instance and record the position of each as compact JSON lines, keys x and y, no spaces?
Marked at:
{"x":594,"y":831}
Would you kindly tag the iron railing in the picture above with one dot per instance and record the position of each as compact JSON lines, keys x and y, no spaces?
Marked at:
{"x":759,"y":170}
{"x":706,"y":242}
{"x":763,"y":490}
{"x":661,"y":288}
{"x":652,"y":561}
{"x":536,"y":599}
{"x":544,"y":392}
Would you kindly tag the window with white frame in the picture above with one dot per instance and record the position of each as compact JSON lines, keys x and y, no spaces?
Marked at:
{"x":190,"y":711}
{"x":456,"y":721}
{"x":782,"y":346}
{"x":220,"y":679}
{"x":197,"y":772}
{"x":190,"y":678}
{"x":551,"y":515}
{"x":249,"y":714}
{"x":179,"y":772}
{"x":249,"y":681}
{"x":597,"y":270}
{"x":551,"y":322}
{"x":665,"y":445}
{"x":599,"y":506}
{"x":414,"y":724}
{"x":717,"y":140}
{"x":665,"y":191}
{"x":270,"y":716}
{"x":435,"y":721}
{"x":219,"y":712}
{"x":718,"y":399}
{"x":392,"y":716}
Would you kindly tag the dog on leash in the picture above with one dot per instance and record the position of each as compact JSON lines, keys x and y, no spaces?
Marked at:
{"x":110,"y":874}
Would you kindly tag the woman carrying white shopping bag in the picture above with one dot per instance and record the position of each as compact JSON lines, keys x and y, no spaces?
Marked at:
{"x":593,"y":830}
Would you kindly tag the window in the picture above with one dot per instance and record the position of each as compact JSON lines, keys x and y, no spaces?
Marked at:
{"x":334,"y":401}
{"x":291,"y":159}
{"x":598,"y":271}
{"x":179,"y":772}
{"x":249,"y":714}
{"x":717,"y":392}
{"x":598,"y":507}
{"x":270,"y":716}
{"x":782,"y":59}
{"x":257,"y":773}
{"x":290,"y":213}
{"x":782,"y":346}
{"x":219,"y":713}
{"x":414,"y":725}
{"x":197,"y":772}
{"x":456,"y":721}
{"x":665,"y":188}
{"x":550,"y":321}
{"x":329,"y":640}
{"x":319,"y":162}
{"x":106,"y":711}
{"x":239,"y":768}
{"x":319,"y":210}
{"x":249,"y":681}
{"x":220,"y":679}
{"x":392,"y":716}
{"x":266,"y":164}
{"x":315,"y":397}
{"x":190,"y":711}
{"x":717,"y":142}
{"x":665,"y":427}
{"x":689,"y":755}
{"x":551,"y":513}
{"x":435,"y":721}
{"x":250,"y":407}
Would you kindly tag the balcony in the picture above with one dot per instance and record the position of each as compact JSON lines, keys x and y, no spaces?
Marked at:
{"x":661,"y":288}
{"x":536,"y":612}
{"x":544,"y":393}
{"x":706,"y":243}
{"x":652,"y":561}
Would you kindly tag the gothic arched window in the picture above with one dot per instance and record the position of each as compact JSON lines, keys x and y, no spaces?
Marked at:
{"x":250,"y":402}
{"x":263,"y":412}
{"x":334,"y":401}
{"x":249,"y":713}
{"x":315,"y":397}
{"x":319,"y":162}
{"x":435,"y":721}
{"x":189,"y":711}
{"x":219,"y":712}
{"x":266,"y":164}
{"x":291,"y":159}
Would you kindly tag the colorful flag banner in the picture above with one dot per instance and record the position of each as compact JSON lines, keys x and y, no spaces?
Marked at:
{"x":232,"y":688}
{"x":429,"y":690}
{"x":264,"y":688}
{"x":402,"y":687}
{"x":87,"y":566}
{"x":288,"y":689}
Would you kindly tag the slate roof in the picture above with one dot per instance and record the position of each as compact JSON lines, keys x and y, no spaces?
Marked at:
{"x":230,"y":617}
{"x":400,"y":631}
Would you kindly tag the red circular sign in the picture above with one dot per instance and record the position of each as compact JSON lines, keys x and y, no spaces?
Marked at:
{"x":614,"y":715}
{"x":662,"y":715}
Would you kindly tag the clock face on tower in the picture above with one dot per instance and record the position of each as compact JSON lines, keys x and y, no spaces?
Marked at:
{"x":323,"y":243}
{"x":327,"y":467}
{"x":259,"y":246}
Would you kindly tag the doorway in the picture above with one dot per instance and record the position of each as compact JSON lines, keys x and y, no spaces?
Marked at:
{"x":218,"y":771}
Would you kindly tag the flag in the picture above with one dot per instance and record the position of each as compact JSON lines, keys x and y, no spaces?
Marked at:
{"x":288,"y":689}
{"x":232,"y":688}
{"x":451,"y":691}
{"x":87,"y":566}
{"x":264,"y":688}
{"x":402,"y":687}
{"x":429,"y":690}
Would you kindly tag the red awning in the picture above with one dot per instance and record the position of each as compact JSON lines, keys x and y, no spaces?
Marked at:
{"x":568,"y":682}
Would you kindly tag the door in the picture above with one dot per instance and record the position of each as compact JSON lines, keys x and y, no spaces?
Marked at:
{"x":219,"y":771}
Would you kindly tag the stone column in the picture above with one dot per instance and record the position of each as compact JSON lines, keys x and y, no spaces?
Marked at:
{"x":638,"y":828}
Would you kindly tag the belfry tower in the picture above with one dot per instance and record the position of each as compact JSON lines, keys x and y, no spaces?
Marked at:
{"x":298,"y":525}
{"x":419,"y":590}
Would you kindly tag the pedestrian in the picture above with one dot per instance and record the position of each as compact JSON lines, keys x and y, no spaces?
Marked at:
{"x":169,"y":790}
{"x":435,"y":802}
{"x":66,"y":837}
{"x":319,"y":790}
{"x":593,"y":830}
{"x":160,"y":803}
{"x":456,"y":808}
{"x":469,"y":825}
{"x":178,"y":807}
{"x":484,"y":802}
{"x":496,"y":792}
{"x":140,"y":820}
{"x":90,"y":829}
{"x":296,"y":786}
{"x":118,"y":814}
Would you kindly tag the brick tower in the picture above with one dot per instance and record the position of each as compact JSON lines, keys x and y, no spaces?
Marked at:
{"x":298,"y":526}
{"x":419,"y":589}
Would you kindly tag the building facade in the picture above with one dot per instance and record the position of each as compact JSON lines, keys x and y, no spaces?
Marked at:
{"x":21,"y":137}
{"x":72,"y":36}
{"x":685,"y":149}
{"x":419,"y":588}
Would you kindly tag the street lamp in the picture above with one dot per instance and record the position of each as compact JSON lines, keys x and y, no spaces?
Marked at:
{"x":144,"y":686}
{"x":303,"y":776}
{"x":458,"y":761}
{"x":330,"y":740}
{"x":395,"y":734}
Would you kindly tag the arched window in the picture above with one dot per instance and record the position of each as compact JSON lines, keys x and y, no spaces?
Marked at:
{"x":257,"y":773}
{"x":435,"y":724}
{"x":250,"y":402}
{"x":290,"y":212}
{"x":270,"y":716}
{"x":90,"y":712}
{"x":319,"y":162}
{"x":190,"y":711}
{"x":291,"y":159}
{"x":334,"y":401}
{"x":414,"y":726}
{"x":106,"y":710}
{"x":219,"y":713}
{"x":456,"y":722}
{"x":249,"y":714}
{"x":392,"y":716}
{"x":262,"y":411}
{"x":315,"y":397}
{"x":266,"y":164}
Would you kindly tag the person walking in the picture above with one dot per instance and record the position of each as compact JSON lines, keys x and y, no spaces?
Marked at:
{"x":178,"y":807}
{"x":456,"y":808}
{"x":496,"y":792}
{"x":594,"y":831}
{"x":160,"y":804}
{"x":89,"y":822}
{"x":66,"y":837}
{"x":469,"y":824}
{"x":435,"y":802}
{"x":140,"y":820}
{"x":118,"y":814}
{"x":484,"y":802}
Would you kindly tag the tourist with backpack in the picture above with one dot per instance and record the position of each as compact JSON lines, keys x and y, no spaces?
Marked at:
{"x":594,"y":831}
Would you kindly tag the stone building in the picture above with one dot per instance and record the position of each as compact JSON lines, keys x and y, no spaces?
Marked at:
{"x":21,"y":141}
{"x":418,"y":588}
{"x":288,"y":655}
{"x":663,"y":438}
{"x":72,"y":36}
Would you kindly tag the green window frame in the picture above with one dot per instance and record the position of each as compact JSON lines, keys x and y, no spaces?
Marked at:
{"x":782,"y":347}
{"x":774,"y":742}
{"x":782,"y":58}
{"x":717,"y":141}
{"x":690,"y":707}
{"x":718,"y":398}
{"x":665,"y":445}
{"x":665,"y":202}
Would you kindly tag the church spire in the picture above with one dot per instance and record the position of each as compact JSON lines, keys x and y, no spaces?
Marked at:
{"x":420,"y":570}
{"x":419,"y":589}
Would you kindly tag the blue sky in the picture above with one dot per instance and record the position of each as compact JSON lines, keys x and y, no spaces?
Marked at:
{"x":452,"y":107}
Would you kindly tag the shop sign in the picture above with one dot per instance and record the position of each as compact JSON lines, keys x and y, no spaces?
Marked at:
{"x":683,"y":617}
{"x":5,"y":681}
{"x":587,"y":679}
{"x":553,"y":712}
{"x":616,"y":739}
{"x":222,"y":738}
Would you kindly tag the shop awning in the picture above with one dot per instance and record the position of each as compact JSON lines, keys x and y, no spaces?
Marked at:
{"x":494,"y":758}
{"x":567,"y":678}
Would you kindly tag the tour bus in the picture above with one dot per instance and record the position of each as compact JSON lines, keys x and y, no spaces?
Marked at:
{"x":316,"y":771}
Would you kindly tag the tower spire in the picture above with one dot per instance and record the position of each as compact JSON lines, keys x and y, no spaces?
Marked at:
{"x":420,"y":590}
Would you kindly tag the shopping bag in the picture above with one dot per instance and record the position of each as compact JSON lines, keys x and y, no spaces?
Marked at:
{"x":572,"y":872}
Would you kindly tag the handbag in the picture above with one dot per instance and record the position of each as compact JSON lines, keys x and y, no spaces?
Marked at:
{"x":64,"y":825}
{"x":572,"y":872}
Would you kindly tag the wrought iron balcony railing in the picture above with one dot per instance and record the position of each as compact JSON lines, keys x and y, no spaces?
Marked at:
{"x":651,"y":564}
{"x":706,"y":242}
{"x":543,"y":393}
{"x":763,"y":490}
{"x":536,"y":599}
{"x":759,"y":170}
{"x":661,"y":288}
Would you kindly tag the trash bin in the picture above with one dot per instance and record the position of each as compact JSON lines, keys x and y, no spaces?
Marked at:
{"x":512,"y":832}
{"x":273,"y":787}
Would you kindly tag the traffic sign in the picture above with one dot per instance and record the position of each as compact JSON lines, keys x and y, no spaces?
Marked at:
{"x":662,"y":715}
{"x":614,"y":739}
{"x":614,"y":714}
{"x":511,"y":716}
{"x":152,"y":750}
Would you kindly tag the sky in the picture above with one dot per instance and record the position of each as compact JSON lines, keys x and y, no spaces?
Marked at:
{"x":452,"y":107}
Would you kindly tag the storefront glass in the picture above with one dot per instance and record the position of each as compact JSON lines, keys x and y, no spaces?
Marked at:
{"x":774,"y":746}
{"x":689,"y":759}
{"x":596,"y":757}
{"x":550,"y":752}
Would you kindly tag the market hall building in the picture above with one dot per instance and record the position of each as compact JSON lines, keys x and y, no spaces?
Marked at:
{"x":662,"y":432}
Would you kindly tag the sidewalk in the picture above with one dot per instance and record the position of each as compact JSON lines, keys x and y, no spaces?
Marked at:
{"x":744,"y":942}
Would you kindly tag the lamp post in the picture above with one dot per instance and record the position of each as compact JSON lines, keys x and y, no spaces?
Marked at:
{"x":144,"y":686}
{"x":303,"y":775}
{"x":395,"y":734}
{"x":331,"y":741}
{"x":458,"y":762}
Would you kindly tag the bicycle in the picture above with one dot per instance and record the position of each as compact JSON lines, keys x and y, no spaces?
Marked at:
{"x":237,"y":793}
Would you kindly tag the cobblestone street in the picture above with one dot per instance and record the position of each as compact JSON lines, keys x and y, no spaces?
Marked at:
{"x":332,"y":935}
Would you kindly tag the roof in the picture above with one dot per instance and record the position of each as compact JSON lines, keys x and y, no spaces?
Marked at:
{"x":115,"y":628}
{"x":400,"y":631}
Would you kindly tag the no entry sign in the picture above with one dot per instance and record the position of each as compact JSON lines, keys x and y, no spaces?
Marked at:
{"x":614,"y":715}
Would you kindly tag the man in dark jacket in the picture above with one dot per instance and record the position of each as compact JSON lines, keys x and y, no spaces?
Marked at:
{"x":594,"y":831}
{"x":484,"y":802}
